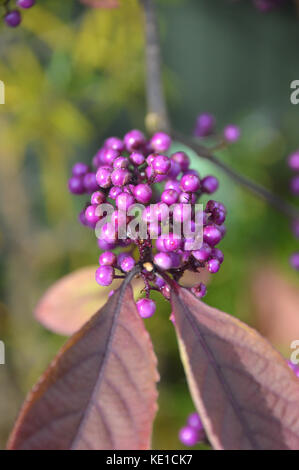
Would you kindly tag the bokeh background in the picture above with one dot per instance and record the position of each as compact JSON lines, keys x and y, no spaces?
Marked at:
{"x":75,"y":75}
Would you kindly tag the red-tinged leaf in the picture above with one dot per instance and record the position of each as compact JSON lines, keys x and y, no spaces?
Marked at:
{"x":246,"y":395}
{"x":69,"y":303}
{"x":100,"y":391}
{"x":276,"y":306}
{"x":101,"y":3}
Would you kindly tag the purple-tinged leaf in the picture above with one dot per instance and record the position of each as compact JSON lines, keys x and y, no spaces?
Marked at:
{"x":100,"y":391}
{"x":246,"y":395}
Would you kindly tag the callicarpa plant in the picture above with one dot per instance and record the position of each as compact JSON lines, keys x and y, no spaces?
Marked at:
{"x":143,"y":200}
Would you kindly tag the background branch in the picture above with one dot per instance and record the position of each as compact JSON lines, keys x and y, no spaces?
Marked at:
{"x":157,"y":117}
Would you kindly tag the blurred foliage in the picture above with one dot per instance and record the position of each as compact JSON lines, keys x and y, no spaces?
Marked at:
{"x":73,"y":76}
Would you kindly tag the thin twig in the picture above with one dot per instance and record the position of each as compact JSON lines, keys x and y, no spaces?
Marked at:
{"x":157,"y":117}
{"x":273,"y":199}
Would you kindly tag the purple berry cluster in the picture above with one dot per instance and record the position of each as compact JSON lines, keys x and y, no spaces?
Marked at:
{"x":193,"y":432}
{"x":205,"y":127}
{"x":136,"y":170}
{"x":13,"y":15}
{"x":293,"y":163}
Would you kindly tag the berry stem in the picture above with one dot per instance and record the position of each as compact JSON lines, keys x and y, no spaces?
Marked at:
{"x":157,"y":116}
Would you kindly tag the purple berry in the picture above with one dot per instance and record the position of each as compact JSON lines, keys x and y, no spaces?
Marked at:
{"x":161,"y":165}
{"x":203,"y":254}
{"x":114,"y":192}
{"x":163,"y":261}
{"x":160,"y":142}
{"x":172,"y":242}
{"x":211,"y":235}
{"x":143,"y":193}
{"x":216,"y":253}
{"x":109,"y":156}
{"x":127,"y":264}
{"x":173,"y":184}
{"x":231,"y":133}
{"x":104,"y":275}
{"x":79,"y":169}
{"x":189,"y":436}
{"x":108,"y":258}
{"x":76,"y":185}
{"x":146,"y":308}
{"x":120,"y":177}
{"x":90,"y":215}
{"x":194,"y":421}
{"x":190,"y":183}
{"x":115,"y":143}
{"x":294,"y":261}
{"x":134,"y":140}
{"x":104,"y":177}
{"x":175,"y":169}
{"x":98,"y":197}
{"x":13,"y":18}
{"x":199,"y":291}
{"x":169,"y":196}
{"x":25,"y":3}
{"x":293,"y":161}
{"x":124,"y":201}
{"x":182,"y":159}
{"x":213,"y":265}
{"x":294,"y":185}
{"x":90,"y":183}
{"x":187,"y":198}
{"x":137,"y":158}
{"x":209,"y":184}
{"x":120,"y":162}
{"x":205,"y":124}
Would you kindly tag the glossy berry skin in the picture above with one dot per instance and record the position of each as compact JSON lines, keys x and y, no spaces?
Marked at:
{"x":115,"y":143}
{"x":80,"y":169}
{"x":137,"y":158}
{"x":293,"y":161}
{"x":294,"y":261}
{"x":104,"y":275}
{"x":76,"y":185}
{"x":109,"y":156}
{"x":209,"y":184}
{"x":294,"y":185}
{"x":114,"y":192}
{"x":25,"y":3}
{"x":124,"y":201}
{"x":173,"y":184}
{"x":203,"y":254}
{"x":169,"y":196}
{"x":213,"y":265}
{"x":163,"y":261}
{"x":205,"y":124}
{"x":134,"y":140}
{"x":231,"y":133}
{"x":199,"y":291}
{"x":160,"y":142}
{"x":194,"y":421}
{"x":216,"y":253}
{"x":146,"y":308}
{"x":127,"y":264}
{"x":190,"y":183}
{"x":104,"y":177}
{"x":90,"y":183}
{"x":161,"y":165}
{"x":172,"y":243}
{"x":120,"y":162}
{"x":120,"y":177}
{"x":108,"y":258}
{"x":143,"y":193}
{"x":13,"y":18}
{"x":189,"y":436}
{"x":98,"y":197}
{"x":182,"y":159}
{"x":90,"y":215}
{"x":211,"y":235}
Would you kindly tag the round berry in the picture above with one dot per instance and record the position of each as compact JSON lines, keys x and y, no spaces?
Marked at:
{"x":175,"y":169}
{"x":161,"y":165}
{"x":143,"y":193}
{"x":103,"y":177}
{"x":199,"y":291}
{"x":195,"y":421}
{"x":120,"y":177}
{"x":115,"y":143}
{"x":134,"y":140}
{"x":213,"y":265}
{"x":211,"y":235}
{"x":172,"y":242}
{"x":76,"y":185}
{"x":109,"y":156}
{"x":108,"y":258}
{"x":146,"y":308}
{"x":104,"y":275}
{"x":137,"y":158}
{"x":294,"y":261}
{"x":124,"y":201}
{"x":188,"y":436}
{"x":209,"y":184}
{"x":173,"y":184}
{"x":160,"y":142}
{"x":25,"y":3}
{"x":163,"y":261}
{"x":90,"y":215}
{"x":169,"y":196}
{"x":216,"y":253}
{"x":120,"y":162}
{"x":231,"y":133}
{"x":203,"y":254}
{"x":293,"y":161}
{"x":127,"y":264}
{"x":98,"y":197}
{"x":182,"y":159}
{"x":114,"y":192}
{"x":205,"y":124}
{"x":190,"y":183}
{"x":90,"y":182}
{"x":79,"y":169}
{"x":13,"y":18}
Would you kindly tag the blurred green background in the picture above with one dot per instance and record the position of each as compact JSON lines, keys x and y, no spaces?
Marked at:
{"x":75,"y":75}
